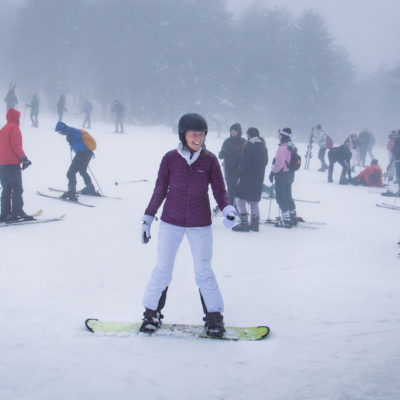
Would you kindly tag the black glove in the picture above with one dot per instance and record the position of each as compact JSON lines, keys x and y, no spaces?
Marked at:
{"x":25,"y":163}
{"x":271,"y":177}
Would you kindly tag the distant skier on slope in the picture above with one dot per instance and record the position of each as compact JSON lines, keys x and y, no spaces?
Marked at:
{"x":61,"y":107}
{"x":34,"y":106}
{"x":341,"y":155}
{"x":11,"y":99}
{"x":83,"y":145}
{"x":11,"y":156}
{"x":284,"y":177}
{"x":183,"y":180}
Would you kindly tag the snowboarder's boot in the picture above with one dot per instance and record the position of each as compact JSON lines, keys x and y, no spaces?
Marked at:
{"x":151,"y":321}
{"x":243,"y":225}
{"x":255,"y":223}
{"x":152,"y":318}
{"x":214,"y":324}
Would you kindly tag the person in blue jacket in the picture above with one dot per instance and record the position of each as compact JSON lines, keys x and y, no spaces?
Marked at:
{"x":83,"y":155}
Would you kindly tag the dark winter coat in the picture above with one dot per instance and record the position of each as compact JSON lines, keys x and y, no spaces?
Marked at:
{"x":252,"y":170}
{"x":339,"y":154}
{"x":366,"y":140}
{"x":396,"y":148}
{"x":11,"y":152}
{"x":185,"y":189}
{"x":231,"y":153}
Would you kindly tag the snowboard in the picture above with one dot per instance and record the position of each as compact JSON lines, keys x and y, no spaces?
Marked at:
{"x":177,"y":330}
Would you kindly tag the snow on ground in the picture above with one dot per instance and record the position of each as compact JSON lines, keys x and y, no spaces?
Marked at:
{"x":331,"y":296}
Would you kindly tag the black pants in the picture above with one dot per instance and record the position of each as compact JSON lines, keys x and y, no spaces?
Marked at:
{"x":80,"y":164}
{"x":321,"y":156}
{"x":345,"y":170}
{"x":283,"y":191}
{"x":11,"y":197}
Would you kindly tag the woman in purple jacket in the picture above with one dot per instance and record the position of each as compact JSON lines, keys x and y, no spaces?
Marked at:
{"x":183,"y":180}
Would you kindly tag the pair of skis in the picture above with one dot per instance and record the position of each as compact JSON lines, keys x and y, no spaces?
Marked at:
{"x":78,"y":202}
{"x":301,"y":223}
{"x":36,"y":220}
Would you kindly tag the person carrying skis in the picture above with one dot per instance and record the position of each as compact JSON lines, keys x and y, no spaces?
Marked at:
{"x":183,"y":179}
{"x":341,"y":155}
{"x":322,"y":140}
{"x":231,"y":153}
{"x":370,"y":176}
{"x":34,"y":106}
{"x":251,"y":178}
{"x":83,"y":144}
{"x":11,"y":156}
{"x":284,"y":178}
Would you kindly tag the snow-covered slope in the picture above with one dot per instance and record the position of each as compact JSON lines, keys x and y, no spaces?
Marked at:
{"x":331,"y":296}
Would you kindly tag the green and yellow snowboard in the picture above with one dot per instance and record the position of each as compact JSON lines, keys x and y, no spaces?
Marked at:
{"x":177,"y":330}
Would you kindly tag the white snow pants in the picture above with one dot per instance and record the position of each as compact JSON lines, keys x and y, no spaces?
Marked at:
{"x":200,"y":241}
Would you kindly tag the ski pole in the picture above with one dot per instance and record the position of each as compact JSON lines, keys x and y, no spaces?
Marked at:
{"x":97,"y":183}
{"x":269,"y":209}
{"x":134,"y":181}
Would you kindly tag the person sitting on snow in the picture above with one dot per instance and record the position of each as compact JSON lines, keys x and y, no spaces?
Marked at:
{"x":370,"y":176}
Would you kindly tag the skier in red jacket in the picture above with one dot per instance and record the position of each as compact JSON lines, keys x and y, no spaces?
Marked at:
{"x":11,"y":156}
{"x":370,"y":176}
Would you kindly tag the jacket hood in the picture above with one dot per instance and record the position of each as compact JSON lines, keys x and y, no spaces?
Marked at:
{"x":13,"y":116}
{"x":237,"y":127}
{"x":61,"y":127}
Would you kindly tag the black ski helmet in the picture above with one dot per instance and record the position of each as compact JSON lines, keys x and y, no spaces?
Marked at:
{"x":191,"y":122}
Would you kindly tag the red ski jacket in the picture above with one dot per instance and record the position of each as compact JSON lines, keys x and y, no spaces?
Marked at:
{"x":372,"y":175}
{"x":11,"y":140}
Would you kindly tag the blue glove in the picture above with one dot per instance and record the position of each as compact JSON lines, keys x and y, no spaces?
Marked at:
{"x":147,"y":221}
{"x":229,"y":213}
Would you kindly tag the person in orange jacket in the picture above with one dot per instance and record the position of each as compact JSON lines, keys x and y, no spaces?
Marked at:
{"x":370,"y":176}
{"x":11,"y":156}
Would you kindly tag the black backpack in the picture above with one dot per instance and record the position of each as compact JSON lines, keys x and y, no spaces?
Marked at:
{"x":295,"y":160}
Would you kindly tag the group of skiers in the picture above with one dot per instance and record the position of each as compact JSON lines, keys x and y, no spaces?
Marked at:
{"x":117,"y":109}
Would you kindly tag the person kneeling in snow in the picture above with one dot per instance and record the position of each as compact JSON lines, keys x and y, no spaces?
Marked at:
{"x":370,"y":176}
{"x":183,"y":180}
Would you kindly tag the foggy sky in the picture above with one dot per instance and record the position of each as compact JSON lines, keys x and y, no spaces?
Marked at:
{"x":369,"y":30}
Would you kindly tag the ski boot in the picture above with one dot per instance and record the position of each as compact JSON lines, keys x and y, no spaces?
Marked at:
{"x":243,"y":225}
{"x":90,"y":191}
{"x":255,"y":224}
{"x":214,"y":324}
{"x":293,"y":217}
{"x":22,"y":216}
{"x":69,"y":195}
{"x":151,"y":321}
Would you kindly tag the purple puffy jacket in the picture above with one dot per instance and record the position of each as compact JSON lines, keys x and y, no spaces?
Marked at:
{"x":186,"y":189}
